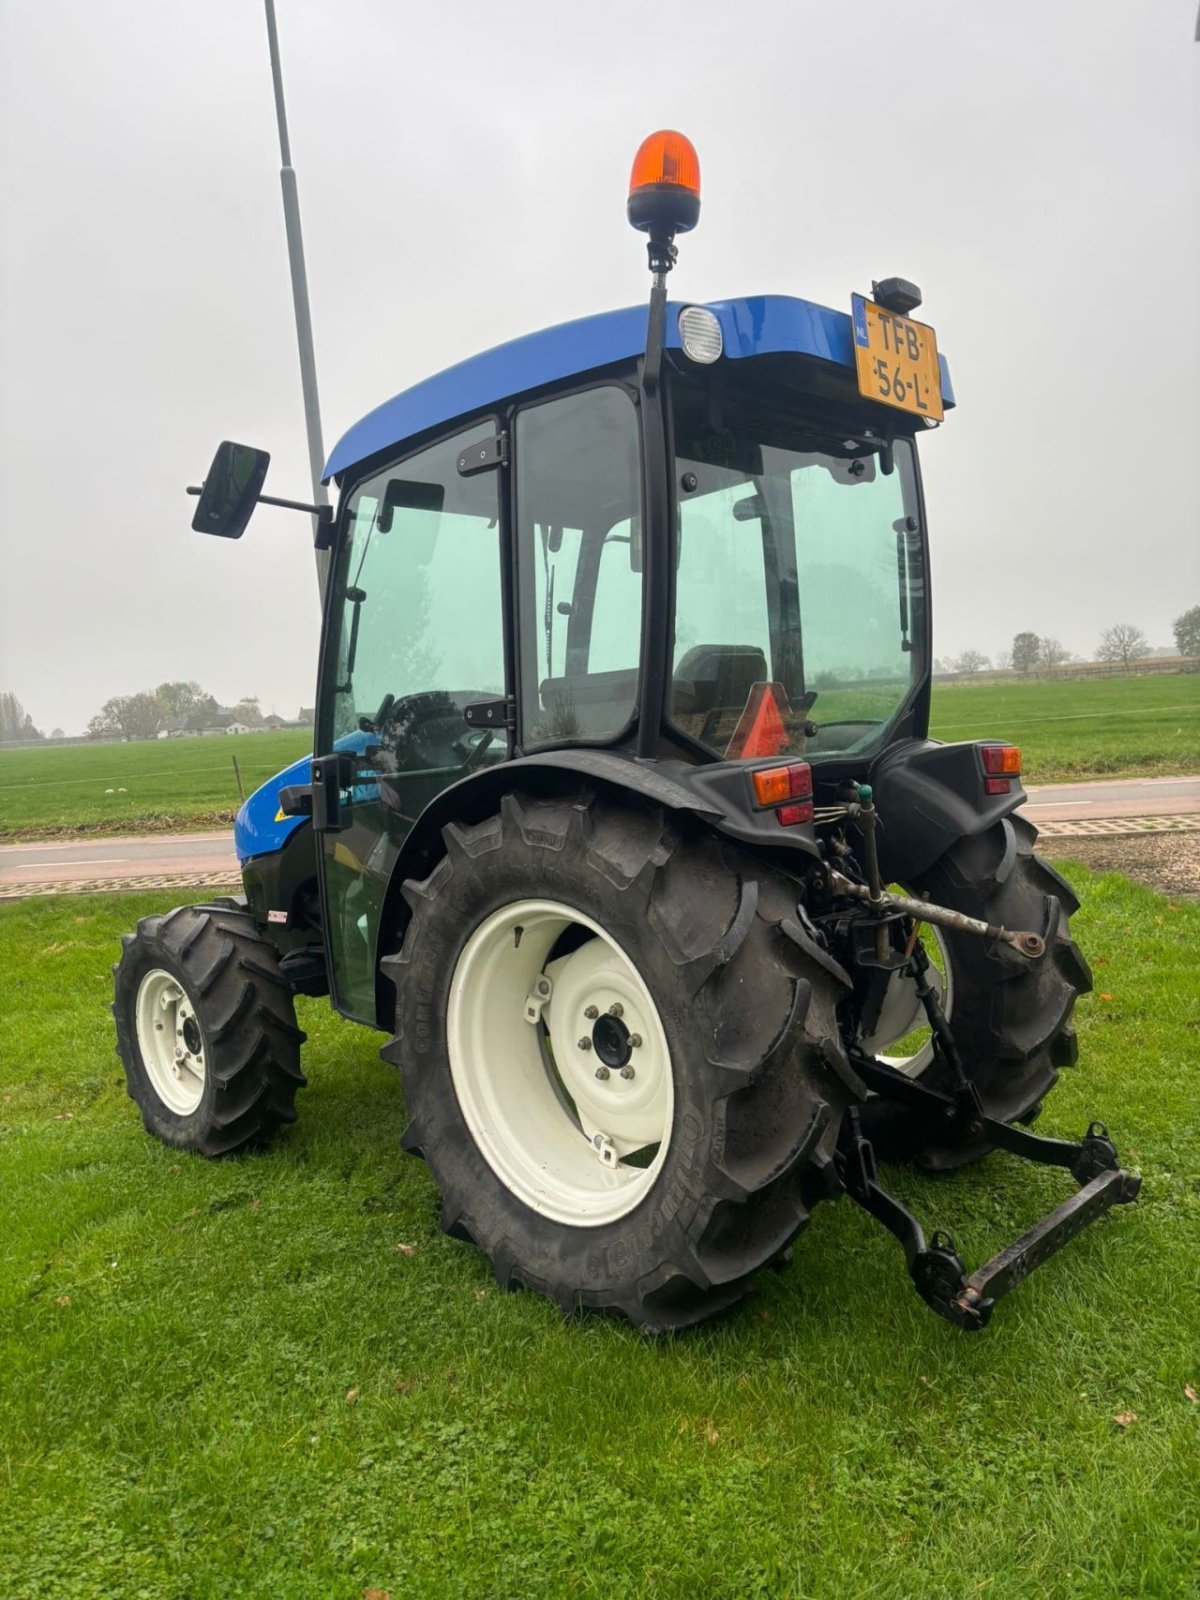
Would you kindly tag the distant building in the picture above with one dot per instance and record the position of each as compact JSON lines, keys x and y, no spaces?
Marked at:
{"x":195,"y":724}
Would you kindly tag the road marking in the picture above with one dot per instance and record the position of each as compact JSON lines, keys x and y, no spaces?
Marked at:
{"x":1043,"y":805}
{"x":84,"y":861}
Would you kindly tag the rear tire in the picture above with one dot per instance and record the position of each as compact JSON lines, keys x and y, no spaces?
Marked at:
{"x":694,"y":934}
{"x":206,"y":1029}
{"x":1011,"y":1017}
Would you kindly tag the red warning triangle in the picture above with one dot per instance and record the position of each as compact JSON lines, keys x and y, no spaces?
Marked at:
{"x":760,"y":730}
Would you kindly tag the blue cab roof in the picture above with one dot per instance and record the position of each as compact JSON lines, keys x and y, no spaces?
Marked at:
{"x":757,"y":325}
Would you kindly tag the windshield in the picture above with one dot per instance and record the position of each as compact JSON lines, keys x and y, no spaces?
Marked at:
{"x":799,"y":585}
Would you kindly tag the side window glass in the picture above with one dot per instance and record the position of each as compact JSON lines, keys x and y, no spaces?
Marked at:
{"x":420,"y":605}
{"x":618,"y":598}
{"x":578,"y":570}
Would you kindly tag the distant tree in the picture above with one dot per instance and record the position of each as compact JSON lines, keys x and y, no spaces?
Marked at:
{"x":970,"y":662}
{"x":305,"y":716}
{"x":1003,"y":660}
{"x":1187,"y":632}
{"x":1026,"y":648}
{"x":57,"y":733}
{"x":15,"y":722}
{"x":182,"y":699}
{"x":1052,"y":653}
{"x":130,"y":716}
{"x":1122,"y":642}
{"x":248,"y":711}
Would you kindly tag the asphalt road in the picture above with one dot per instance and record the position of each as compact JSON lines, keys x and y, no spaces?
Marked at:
{"x":210,"y":854}
{"x":153,"y":855}
{"x":1122,"y":797}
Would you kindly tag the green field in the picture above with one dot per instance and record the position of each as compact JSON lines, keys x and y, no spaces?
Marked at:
{"x":1090,"y":728}
{"x":1099,"y":728}
{"x":155,"y":784}
{"x":275,"y":1377}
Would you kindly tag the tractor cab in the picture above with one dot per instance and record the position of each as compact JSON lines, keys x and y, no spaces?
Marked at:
{"x":684,"y":541}
{"x":623,"y":820}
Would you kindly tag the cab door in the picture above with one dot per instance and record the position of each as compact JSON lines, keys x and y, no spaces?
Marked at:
{"x":414,"y":634}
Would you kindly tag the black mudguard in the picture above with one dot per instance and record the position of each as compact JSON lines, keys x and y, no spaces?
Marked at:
{"x":714,"y":794}
{"x":929,"y":796}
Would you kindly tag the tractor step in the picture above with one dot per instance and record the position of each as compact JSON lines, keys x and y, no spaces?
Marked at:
{"x":936,"y":1269}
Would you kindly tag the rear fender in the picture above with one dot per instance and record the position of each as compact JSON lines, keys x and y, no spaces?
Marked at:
{"x":676,"y":786}
{"x":929,"y":796}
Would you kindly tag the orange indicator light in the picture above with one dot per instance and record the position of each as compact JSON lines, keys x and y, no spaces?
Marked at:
{"x":1001,"y":760}
{"x":773,"y":785}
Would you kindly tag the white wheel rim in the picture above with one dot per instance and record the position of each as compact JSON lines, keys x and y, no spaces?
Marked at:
{"x":171,"y":1041}
{"x":902,"y":1011}
{"x":514,"y":1028}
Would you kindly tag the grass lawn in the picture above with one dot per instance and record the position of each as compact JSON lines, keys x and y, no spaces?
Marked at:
{"x":1092,"y":728}
{"x":274,"y":1376}
{"x":1098,"y":728}
{"x":155,"y":784}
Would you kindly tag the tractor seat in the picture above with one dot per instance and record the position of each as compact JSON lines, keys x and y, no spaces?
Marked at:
{"x":714,"y":677}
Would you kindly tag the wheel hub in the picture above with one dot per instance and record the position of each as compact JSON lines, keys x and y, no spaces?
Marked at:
{"x":170,"y":1041}
{"x":560,"y":1066}
{"x":611,"y":1041}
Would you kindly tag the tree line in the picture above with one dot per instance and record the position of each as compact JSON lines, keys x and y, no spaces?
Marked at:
{"x":148,"y":712}
{"x":143,"y":715}
{"x":16,"y":724}
{"x":1123,"y":643}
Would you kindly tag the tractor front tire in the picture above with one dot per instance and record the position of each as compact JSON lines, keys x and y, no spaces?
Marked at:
{"x":619,"y":1061}
{"x":1010,"y":1016}
{"x":206,"y":1029}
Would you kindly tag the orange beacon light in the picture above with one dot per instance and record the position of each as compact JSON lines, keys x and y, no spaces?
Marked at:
{"x":664,"y":185}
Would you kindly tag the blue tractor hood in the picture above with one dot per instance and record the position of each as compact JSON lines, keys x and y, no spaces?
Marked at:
{"x":260,"y":827}
{"x":768,"y":324}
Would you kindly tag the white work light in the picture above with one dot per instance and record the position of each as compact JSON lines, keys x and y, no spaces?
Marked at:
{"x":700,"y":334}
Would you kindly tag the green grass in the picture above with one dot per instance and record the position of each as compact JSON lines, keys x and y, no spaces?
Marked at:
{"x":156,"y":784}
{"x":226,"y":1380}
{"x":1097,"y":728}
{"x":1092,"y":728}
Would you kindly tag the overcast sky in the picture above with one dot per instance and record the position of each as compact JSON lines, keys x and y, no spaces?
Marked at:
{"x":1033,"y":166}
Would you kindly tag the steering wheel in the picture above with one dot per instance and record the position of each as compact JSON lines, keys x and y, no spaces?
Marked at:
{"x":426,"y":730}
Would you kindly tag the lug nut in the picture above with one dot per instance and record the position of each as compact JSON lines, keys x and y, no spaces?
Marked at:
{"x":602,"y":1073}
{"x":585,"y":1043}
{"x":591,"y":1013}
{"x":616,"y":1009}
{"x":627,"y":1072}
{"x":635,"y":1040}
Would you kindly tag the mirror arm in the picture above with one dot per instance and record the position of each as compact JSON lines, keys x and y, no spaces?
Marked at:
{"x":324,"y":514}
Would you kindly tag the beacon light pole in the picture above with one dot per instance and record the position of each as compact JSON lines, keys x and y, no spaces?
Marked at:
{"x":304,"y":338}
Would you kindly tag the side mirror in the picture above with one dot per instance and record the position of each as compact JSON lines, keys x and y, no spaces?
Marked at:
{"x":231,"y":490}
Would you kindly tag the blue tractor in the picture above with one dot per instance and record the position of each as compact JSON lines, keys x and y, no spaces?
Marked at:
{"x":623,"y":823}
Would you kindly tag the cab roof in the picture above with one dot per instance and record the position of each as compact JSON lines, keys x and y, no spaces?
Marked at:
{"x":758,"y":325}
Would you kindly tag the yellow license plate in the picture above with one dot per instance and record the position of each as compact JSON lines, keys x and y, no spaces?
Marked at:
{"x":897,"y":359}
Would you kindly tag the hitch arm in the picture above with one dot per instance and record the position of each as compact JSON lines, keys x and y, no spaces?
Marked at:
{"x":1028,"y":944}
{"x":937,"y":1271}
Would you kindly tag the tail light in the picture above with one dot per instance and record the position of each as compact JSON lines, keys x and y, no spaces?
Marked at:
{"x":788,"y":789}
{"x":1001,"y":764}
